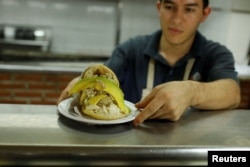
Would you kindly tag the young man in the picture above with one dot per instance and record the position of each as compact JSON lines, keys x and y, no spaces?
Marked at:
{"x":175,"y":68}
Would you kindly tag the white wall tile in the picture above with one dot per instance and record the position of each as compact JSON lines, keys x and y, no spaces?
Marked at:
{"x":88,"y":26}
{"x":239,"y":36}
{"x":138,"y":18}
{"x":78,"y":26}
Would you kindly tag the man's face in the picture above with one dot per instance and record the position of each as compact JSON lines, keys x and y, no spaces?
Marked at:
{"x":180,"y":19}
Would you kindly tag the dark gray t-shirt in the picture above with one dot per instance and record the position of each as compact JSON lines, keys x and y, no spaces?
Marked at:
{"x":130,"y":61}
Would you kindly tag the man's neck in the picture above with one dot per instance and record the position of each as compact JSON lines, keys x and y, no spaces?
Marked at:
{"x":174,"y":52}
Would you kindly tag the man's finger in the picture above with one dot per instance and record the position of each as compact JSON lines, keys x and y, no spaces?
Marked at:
{"x":149,"y":110}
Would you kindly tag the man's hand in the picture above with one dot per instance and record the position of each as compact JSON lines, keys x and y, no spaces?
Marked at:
{"x":65,"y":92}
{"x":166,"y":101}
{"x":170,"y":100}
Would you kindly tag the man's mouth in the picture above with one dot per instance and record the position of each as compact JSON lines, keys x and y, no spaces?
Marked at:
{"x":175,"y":30}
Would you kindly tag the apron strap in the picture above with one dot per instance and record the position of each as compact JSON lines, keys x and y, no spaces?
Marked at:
{"x":151,"y":73}
{"x":150,"y":78}
{"x":188,"y":69}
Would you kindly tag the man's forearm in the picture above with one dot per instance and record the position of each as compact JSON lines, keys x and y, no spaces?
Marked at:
{"x":221,"y":94}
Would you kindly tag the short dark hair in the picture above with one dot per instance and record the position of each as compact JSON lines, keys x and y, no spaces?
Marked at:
{"x":205,"y":3}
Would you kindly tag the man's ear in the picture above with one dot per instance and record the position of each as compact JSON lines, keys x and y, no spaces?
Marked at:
{"x":158,"y":5}
{"x":206,"y":13}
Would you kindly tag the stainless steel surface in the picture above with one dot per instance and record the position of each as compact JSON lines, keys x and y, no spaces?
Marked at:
{"x":45,"y":66}
{"x":33,"y":68}
{"x":66,"y":67}
{"x":37,"y":134}
{"x":19,"y":37}
{"x":118,"y":9}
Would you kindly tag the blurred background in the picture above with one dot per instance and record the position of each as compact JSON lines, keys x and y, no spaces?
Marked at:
{"x":92,"y":28}
{"x":46,"y":43}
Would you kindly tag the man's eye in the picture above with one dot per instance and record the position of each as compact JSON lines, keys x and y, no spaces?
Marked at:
{"x":169,"y":7}
{"x":190,"y":10}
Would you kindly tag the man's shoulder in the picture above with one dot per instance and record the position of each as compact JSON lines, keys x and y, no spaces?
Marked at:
{"x":210,"y":45}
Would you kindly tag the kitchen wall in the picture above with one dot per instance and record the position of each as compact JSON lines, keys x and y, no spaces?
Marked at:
{"x":78,"y":26}
{"x":229,"y":24}
{"x":22,"y":87}
{"x":31,"y":87}
{"x":91,"y":26}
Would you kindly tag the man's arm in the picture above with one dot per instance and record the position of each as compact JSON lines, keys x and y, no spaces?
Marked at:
{"x":220,"y":94}
{"x":170,"y":100}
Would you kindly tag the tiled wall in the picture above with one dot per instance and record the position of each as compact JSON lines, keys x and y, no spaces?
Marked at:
{"x":229,"y":24}
{"x":89,"y":26}
{"x":78,"y":26}
{"x":138,"y":17}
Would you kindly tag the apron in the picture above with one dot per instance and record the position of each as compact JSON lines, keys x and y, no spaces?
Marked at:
{"x":151,"y":72}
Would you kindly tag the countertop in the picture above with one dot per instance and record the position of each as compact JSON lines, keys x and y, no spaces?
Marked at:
{"x":43,"y":66}
{"x":38,"y":134}
{"x":46,"y":61}
{"x":243,"y":71}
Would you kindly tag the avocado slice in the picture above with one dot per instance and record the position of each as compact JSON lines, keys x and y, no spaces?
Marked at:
{"x":105,"y":84}
{"x":94,"y":100}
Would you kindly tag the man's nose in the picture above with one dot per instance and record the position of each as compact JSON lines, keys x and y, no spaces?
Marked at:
{"x":178,"y":15}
